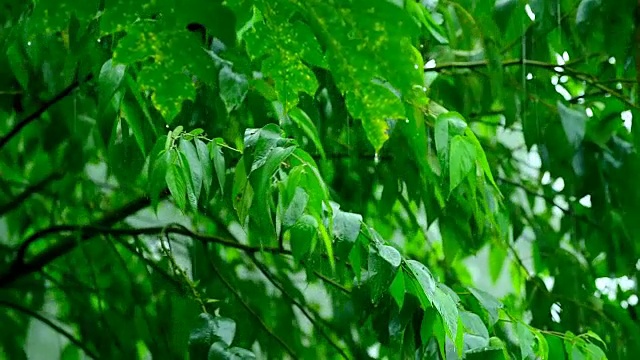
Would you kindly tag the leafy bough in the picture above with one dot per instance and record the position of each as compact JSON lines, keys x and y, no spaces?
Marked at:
{"x":283,"y":204}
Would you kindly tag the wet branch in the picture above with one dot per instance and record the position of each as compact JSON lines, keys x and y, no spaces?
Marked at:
{"x":41,"y":110}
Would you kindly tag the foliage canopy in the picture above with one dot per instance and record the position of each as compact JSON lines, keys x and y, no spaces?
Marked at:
{"x":356,"y":179}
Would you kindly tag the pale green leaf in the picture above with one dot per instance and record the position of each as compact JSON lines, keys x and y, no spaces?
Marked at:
{"x":296,"y":208}
{"x":574,"y":123}
{"x":489,"y":303}
{"x":233,"y":88}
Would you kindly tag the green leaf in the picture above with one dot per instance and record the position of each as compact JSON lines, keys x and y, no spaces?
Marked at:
{"x":476,"y":335}
{"x":296,"y":208}
{"x":442,"y":136}
{"x":588,"y":11}
{"x":376,"y":106}
{"x":574,"y":124}
{"x":306,"y":124}
{"x":382,"y":267}
{"x":489,"y":303}
{"x":303,"y":236}
{"x":595,"y":336}
{"x":267,"y":149}
{"x":176,"y":182}
{"x":448,"y":310}
{"x":503,"y":11}
{"x":461,"y":161}
{"x":218,"y":164}
{"x":195,"y":166}
{"x":482,"y":157}
{"x":543,"y":346}
{"x":159,"y":160}
{"x":165,"y":77}
{"x":219,"y":351}
{"x":205,"y":165}
{"x":346,"y":228}
{"x":390,"y":255}
{"x":233,"y":88}
{"x":210,"y":329}
{"x":397,"y":288}
{"x":109,"y":80}
{"x":526,"y":340}
{"x":192,"y":198}
{"x":497,"y":257}
{"x":426,"y":283}
{"x":17,"y":64}
{"x":242,"y":192}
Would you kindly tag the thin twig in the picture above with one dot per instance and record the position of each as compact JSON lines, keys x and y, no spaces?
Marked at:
{"x":263,"y":269}
{"x":32,"y":189}
{"x":250,"y":310}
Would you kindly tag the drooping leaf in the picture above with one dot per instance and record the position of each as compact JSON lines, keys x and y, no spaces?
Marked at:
{"x":574,"y":124}
{"x":461,"y":161}
{"x":295,"y":208}
{"x":397,"y":288}
{"x":218,"y":164}
{"x":376,"y":106}
{"x":205,"y":165}
{"x":306,"y":124}
{"x":233,"y":88}
{"x":176,"y":182}
{"x":195,"y":166}
{"x":303,"y":236}
{"x":526,"y":340}
{"x":490,"y":303}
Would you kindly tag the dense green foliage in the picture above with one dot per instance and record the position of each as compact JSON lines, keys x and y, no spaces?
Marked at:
{"x":319,"y":179}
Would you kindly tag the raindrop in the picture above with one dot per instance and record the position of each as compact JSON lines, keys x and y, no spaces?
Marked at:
{"x":530,"y":13}
{"x":430,"y":64}
{"x":28,"y":43}
{"x":589,"y":112}
{"x":415,"y":66}
{"x":376,"y":158}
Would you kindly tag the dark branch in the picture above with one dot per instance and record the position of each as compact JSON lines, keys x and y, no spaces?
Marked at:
{"x":41,"y":110}
{"x":93,"y":231}
{"x":35,"y":188}
{"x":20,"y":269}
{"x":250,"y":310}
{"x":316,"y":323}
{"x":72,"y":339}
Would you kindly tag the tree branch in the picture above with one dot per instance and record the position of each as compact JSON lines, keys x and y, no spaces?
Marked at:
{"x":250,"y":310}
{"x":72,"y":339}
{"x":41,"y":110}
{"x":263,"y":269}
{"x":559,"y":69}
{"x":32,"y":189}
{"x":20,"y":269}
